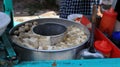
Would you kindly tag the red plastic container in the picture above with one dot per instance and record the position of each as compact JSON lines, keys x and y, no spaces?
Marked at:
{"x":115,"y":52}
{"x":103,"y":47}
{"x":108,"y":21}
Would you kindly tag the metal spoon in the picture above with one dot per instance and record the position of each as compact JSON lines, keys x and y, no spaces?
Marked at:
{"x":91,"y":52}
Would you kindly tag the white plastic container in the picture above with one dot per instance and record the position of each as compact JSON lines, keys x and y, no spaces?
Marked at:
{"x":72,"y":17}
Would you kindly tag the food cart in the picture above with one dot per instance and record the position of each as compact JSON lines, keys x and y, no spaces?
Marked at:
{"x":9,"y":58}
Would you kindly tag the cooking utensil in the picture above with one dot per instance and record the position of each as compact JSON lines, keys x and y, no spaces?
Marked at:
{"x":91,"y":53}
{"x":56,"y":32}
{"x":27,"y":54}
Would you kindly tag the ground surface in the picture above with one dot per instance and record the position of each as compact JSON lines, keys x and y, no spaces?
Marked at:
{"x":31,"y":9}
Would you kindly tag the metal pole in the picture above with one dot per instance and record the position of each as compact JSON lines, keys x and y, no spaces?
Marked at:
{"x":8,"y":9}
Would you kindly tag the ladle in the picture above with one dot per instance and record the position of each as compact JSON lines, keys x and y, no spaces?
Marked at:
{"x":91,"y":52}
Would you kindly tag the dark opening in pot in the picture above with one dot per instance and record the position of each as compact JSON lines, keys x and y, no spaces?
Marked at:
{"x":49,"y":29}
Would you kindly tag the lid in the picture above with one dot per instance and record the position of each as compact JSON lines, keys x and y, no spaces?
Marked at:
{"x":103,"y":46}
{"x":110,"y":12}
{"x":4,"y":19}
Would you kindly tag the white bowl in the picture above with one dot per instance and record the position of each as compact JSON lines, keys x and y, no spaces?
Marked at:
{"x":72,"y":17}
{"x":4,"y":21}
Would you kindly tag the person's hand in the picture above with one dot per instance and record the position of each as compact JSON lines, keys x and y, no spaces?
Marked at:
{"x":99,"y":12}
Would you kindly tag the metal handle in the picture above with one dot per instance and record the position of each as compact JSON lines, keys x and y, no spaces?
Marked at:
{"x":94,"y":11}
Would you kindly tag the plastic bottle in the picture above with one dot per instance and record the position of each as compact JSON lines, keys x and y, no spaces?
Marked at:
{"x":108,"y":21}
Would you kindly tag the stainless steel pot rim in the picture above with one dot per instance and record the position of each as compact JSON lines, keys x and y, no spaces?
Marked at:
{"x":37,"y":50}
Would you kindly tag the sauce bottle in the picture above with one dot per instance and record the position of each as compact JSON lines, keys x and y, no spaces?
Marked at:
{"x":108,"y":20}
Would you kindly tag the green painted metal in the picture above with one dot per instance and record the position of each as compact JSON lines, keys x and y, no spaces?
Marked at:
{"x":8,"y":55}
{"x":115,"y":62}
{"x":8,"y":9}
{"x":4,"y":60}
{"x":11,"y":55}
{"x":8,"y":5}
{"x":2,"y":54}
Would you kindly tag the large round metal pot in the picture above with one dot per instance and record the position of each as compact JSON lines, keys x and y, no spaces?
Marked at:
{"x":28,"y":54}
